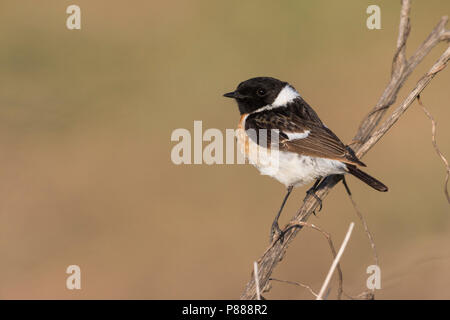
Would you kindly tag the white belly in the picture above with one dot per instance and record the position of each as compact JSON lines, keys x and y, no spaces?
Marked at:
{"x":296,"y":170}
{"x":291,"y":169}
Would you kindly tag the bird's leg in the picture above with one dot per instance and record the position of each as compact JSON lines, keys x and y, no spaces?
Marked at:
{"x":275,"y":227}
{"x":346,"y":186}
{"x":312,"y":192}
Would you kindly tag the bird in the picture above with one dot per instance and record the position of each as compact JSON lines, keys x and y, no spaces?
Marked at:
{"x":307,"y":150}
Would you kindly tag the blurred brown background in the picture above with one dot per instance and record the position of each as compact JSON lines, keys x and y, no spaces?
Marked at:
{"x":86,"y":177}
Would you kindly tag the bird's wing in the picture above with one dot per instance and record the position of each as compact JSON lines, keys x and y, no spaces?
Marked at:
{"x":301,"y":136}
{"x":302,"y":109}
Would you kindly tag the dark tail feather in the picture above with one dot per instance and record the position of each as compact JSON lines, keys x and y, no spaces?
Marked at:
{"x":374,"y":183}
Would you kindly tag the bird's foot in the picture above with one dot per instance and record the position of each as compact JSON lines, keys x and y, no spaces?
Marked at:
{"x":312,"y":192}
{"x":276,"y":232}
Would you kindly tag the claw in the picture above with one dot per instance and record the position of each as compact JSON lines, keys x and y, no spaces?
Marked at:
{"x":274,"y":231}
{"x":312,"y":192}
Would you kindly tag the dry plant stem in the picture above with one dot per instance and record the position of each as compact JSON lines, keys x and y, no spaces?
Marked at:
{"x":433,"y":140}
{"x":297,"y":284}
{"x":423,"y":82}
{"x":445,"y":36}
{"x":365,"y":138}
{"x":335,"y":262}
{"x":401,"y":69}
{"x":330,"y":243}
{"x":255,"y":273}
{"x":332,"y":248}
{"x":364,"y":223}
{"x":366,"y":229}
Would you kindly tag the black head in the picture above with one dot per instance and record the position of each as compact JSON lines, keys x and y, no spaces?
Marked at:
{"x":256,"y":93}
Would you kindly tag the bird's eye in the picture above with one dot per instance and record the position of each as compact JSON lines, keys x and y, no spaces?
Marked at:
{"x":261,"y":92}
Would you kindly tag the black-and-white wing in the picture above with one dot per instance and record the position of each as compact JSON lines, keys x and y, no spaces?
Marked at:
{"x":301,"y":134}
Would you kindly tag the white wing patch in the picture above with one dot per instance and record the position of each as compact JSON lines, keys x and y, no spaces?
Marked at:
{"x":297,"y":135}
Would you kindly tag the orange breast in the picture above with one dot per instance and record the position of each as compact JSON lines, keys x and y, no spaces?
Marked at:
{"x":242,"y":137}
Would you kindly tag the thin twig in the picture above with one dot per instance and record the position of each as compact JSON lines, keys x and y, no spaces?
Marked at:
{"x":399,"y":61}
{"x":400,"y":72}
{"x":440,"y":64}
{"x":255,"y":272}
{"x":366,"y":295}
{"x":433,"y":140}
{"x":364,"y":223}
{"x":336,"y":261}
{"x":332,"y":248}
{"x":297,"y":284}
{"x":445,"y":36}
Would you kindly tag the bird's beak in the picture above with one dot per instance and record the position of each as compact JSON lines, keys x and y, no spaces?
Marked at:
{"x":235,"y":95}
{"x":230,"y":94}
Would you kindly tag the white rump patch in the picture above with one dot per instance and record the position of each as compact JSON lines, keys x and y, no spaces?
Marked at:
{"x":297,"y":135}
{"x":286,"y":95}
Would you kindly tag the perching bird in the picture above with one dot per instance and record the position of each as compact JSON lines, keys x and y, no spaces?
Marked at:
{"x":307,"y":149}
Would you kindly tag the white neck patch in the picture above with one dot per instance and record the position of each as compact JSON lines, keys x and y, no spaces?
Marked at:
{"x":286,"y":95}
